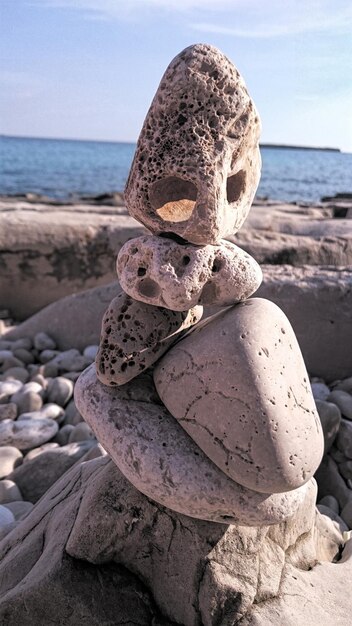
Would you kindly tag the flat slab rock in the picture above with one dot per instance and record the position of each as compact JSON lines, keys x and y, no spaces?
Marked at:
{"x":238,"y":385}
{"x":197,"y":163}
{"x":164,"y":273}
{"x":161,"y":460}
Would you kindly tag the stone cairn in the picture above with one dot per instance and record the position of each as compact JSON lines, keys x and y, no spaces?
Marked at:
{"x":230,"y":431}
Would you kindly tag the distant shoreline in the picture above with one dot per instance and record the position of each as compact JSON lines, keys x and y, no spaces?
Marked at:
{"x":281,"y":146}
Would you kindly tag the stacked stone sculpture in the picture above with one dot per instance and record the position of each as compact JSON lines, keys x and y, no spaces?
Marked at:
{"x":222,"y":426}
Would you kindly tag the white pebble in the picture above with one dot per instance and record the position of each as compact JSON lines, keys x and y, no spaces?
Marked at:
{"x":10,"y":458}
{"x":9,"y":492}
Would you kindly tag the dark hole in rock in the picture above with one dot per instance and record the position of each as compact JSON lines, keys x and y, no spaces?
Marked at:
{"x":235,"y":186}
{"x":173,"y":198}
{"x":149,"y":288}
{"x":180,"y":240}
{"x":141,"y":271}
{"x":217,"y":266}
{"x":185,"y":260}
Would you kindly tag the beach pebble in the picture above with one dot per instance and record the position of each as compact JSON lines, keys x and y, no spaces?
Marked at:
{"x":331,"y":503}
{"x":336,"y":519}
{"x":4,"y":355}
{"x":51,"y":445}
{"x":49,"y":411}
{"x":69,"y":360}
{"x":60,"y":390}
{"x":9,"y":491}
{"x":344,"y":385}
{"x":134,"y":335}
{"x":81,"y":432}
{"x":17,"y":373}
{"x":47,"y":355}
{"x":238,"y":385}
{"x":345,"y":469}
{"x":9,"y":387}
{"x":90,"y":352}
{"x":8,"y":411}
{"x":27,"y":434}
{"x":330,"y":418}
{"x":320,"y":391}
{"x":27,"y":400}
{"x":10,"y":362}
{"x":10,"y":458}
{"x":20,"y":508}
{"x":24,"y":355}
{"x":63,"y":435}
{"x":343,"y":400}
{"x":330,"y":482}
{"x":72,"y":414}
{"x":24,"y":343}
{"x":344,"y":438}
{"x":158,"y":457}
{"x":40,"y":472}
{"x":42,"y":341}
{"x":6,"y":516}
{"x":39,"y":378}
{"x":164,"y":273}
{"x":346,"y":513}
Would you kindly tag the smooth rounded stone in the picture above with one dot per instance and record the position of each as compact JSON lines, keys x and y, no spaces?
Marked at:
{"x":6,"y":516}
{"x":90,"y":352}
{"x":10,"y":362}
{"x":38,"y":378}
{"x":344,"y":385}
{"x":9,"y":387}
{"x":69,"y":361}
{"x":345,"y":469}
{"x":60,"y":390}
{"x":344,"y":438}
{"x":81,"y":432}
{"x":134,"y":335}
{"x":338,"y":522}
{"x":238,"y":385}
{"x":9,"y":491}
{"x":343,"y":400}
{"x":197,"y":162}
{"x":346,"y":513}
{"x":30,"y":386}
{"x":42,"y":341}
{"x":17,"y":373}
{"x":47,"y":355}
{"x":8,"y":411}
{"x":10,"y":458}
{"x":27,"y":434}
{"x":24,"y":355}
{"x":158,"y":457}
{"x":24,"y":343}
{"x":63,"y":435}
{"x":331,"y":503}
{"x":74,"y":375}
{"x":27,"y":401}
{"x":19,"y":509}
{"x":164,"y":273}
{"x":37,"y":475}
{"x":48,"y":411}
{"x":72,"y":414}
{"x":51,"y":445}
{"x":320,"y":391}
{"x":330,"y":482}
{"x":330,"y":418}
{"x":48,"y":370}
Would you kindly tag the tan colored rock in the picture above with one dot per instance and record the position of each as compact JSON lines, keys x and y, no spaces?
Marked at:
{"x":164,"y":273}
{"x":161,"y":460}
{"x":239,"y":387}
{"x":134,"y":335}
{"x":197,"y":163}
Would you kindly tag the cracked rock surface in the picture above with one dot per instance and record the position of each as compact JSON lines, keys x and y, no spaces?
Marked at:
{"x":162,"y":272}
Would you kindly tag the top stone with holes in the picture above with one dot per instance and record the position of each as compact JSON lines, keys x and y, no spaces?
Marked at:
{"x":197,"y":163}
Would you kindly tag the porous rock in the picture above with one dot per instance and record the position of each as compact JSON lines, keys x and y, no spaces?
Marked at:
{"x":163,"y":272}
{"x":197,"y":163}
{"x":26,"y":434}
{"x":238,"y":385}
{"x":161,"y":460}
{"x":134,"y":335}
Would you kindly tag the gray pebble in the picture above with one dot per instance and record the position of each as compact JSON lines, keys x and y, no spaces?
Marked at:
{"x":19,"y":508}
{"x":9,"y":387}
{"x":330,"y":418}
{"x":51,"y":445}
{"x":24,"y":342}
{"x":47,"y":355}
{"x":343,"y":400}
{"x":9,"y":492}
{"x":331,"y":502}
{"x":72,"y":376}
{"x":81,"y":432}
{"x":38,"y":378}
{"x":345,"y":469}
{"x":27,"y":434}
{"x":48,"y":411}
{"x":42,"y":341}
{"x":63,"y":435}
{"x":60,"y":390}
{"x":6,"y":516}
{"x":10,"y":363}
{"x":90,"y":352}
{"x":344,"y":438}
{"x":8,"y":411}
{"x":344,"y":385}
{"x":27,"y":401}
{"x":70,"y":360}
{"x":10,"y":458}
{"x":72,"y":414}
{"x":17,"y":373}
{"x":24,"y":355}
{"x":346,"y":513}
{"x":320,"y":391}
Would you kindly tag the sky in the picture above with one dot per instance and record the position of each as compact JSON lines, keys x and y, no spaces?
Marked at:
{"x":88,"y":69}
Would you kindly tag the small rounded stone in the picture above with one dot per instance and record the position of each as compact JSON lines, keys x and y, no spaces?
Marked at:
{"x":6,"y":516}
{"x":19,"y":508}
{"x":81,"y":432}
{"x":343,"y":400}
{"x":9,"y":492}
{"x":24,"y":355}
{"x":27,"y":434}
{"x":346,"y":513}
{"x":60,"y":390}
{"x":90,"y":352}
{"x":17,"y":373}
{"x":51,"y":445}
{"x":330,"y":418}
{"x":320,"y":391}
{"x":10,"y":458}
{"x":331,"y":503}
{"x":62,"y":437}
{"x":27,"y":401}
{"x":8,"y":411}
{"x":42,"y":341}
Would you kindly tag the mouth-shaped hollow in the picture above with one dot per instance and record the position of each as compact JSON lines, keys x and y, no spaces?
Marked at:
{"x":235,"y":186}
{"x":173,"y":199}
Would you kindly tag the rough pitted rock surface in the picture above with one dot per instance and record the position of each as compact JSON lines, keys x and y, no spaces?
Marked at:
{"x":161,"y":460}
{"x":248,"y":405}
{"x":197,"y":163}
{"x":134,"y":335}
{"x":162,"y":272}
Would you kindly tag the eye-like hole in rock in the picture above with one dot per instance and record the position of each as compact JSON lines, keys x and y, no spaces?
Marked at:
{"x":235,"y":186}
{"x":173,"y":198}
{"x":149,"y":288}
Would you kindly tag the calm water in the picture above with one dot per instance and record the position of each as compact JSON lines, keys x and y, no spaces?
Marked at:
{"x":60,"y":168}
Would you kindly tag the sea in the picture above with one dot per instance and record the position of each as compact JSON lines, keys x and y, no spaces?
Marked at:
{"x":65,"y":169}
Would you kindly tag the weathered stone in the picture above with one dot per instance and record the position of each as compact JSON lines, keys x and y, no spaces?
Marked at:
{"x":134,"y":335}
{"x":238,"y":385}
{"x":330,"y":418}
{"x":343,"y":400}
{"x":26,"y":434}
{"x":10,"y":458}
{"x":161,"y":460}
{"x":8,"y":411}
{"x":197,"y":163}
{"x":60,"y":390}
{"x":163,"y":272}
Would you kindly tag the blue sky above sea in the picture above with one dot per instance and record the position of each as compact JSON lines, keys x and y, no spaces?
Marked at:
{"x":88,"y":69}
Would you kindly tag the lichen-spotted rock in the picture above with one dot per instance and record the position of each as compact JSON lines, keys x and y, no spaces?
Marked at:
{"x":238,"y":385}
{"x":134,"y":335}
{"x":197,"y":163}
{"x":158,"y":457}
{"x":162,"y":272}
